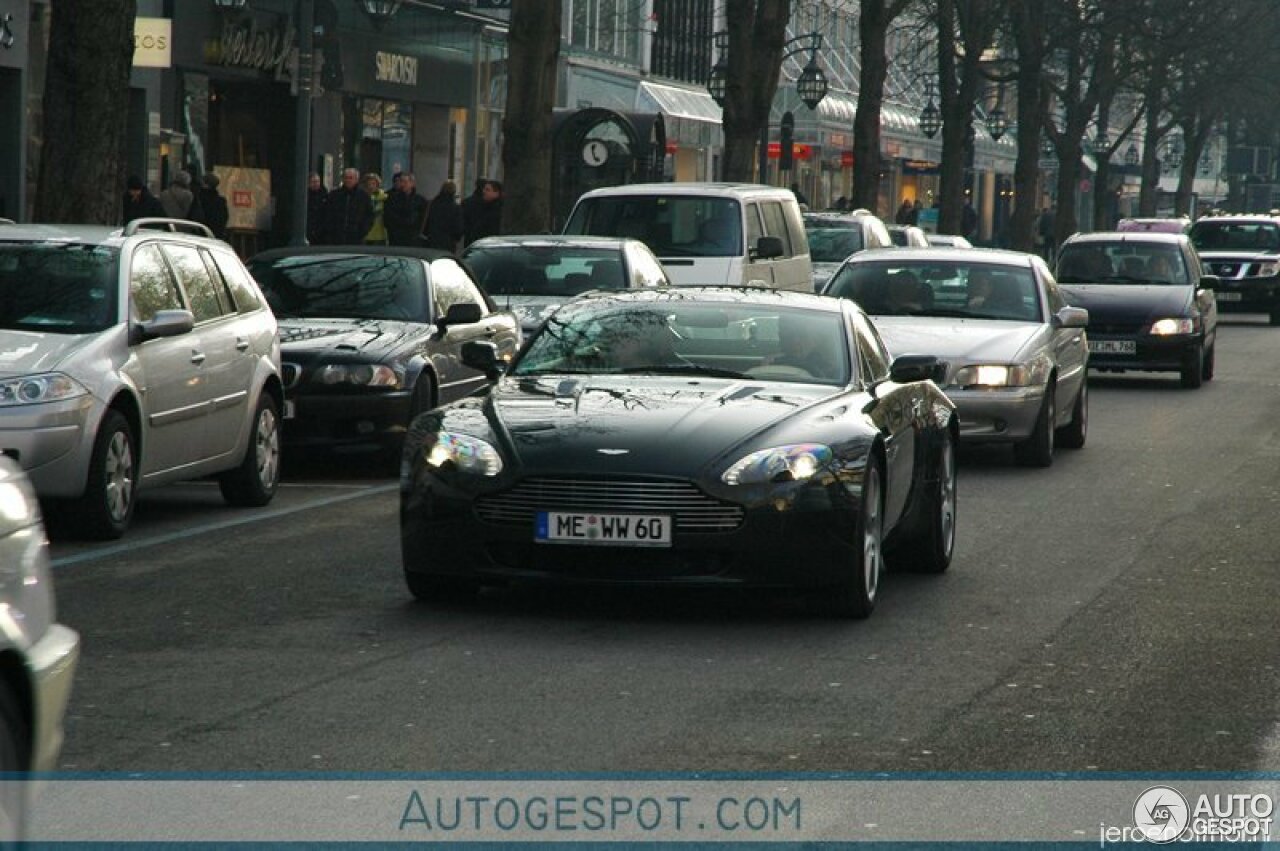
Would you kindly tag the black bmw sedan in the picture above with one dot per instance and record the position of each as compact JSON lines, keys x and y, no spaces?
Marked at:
{"x":692,"y":436}
{"x":370,"y":336}
{"x":1150,"y":306}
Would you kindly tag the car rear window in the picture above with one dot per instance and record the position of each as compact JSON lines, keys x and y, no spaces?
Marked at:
{"x":831,"y":242}
{"x":58,"y":287}
{"x":344,"y":286}
{"x":551,"y":270}
{"x":672,"y":226}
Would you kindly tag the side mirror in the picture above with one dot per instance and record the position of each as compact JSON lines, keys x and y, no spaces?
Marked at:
{"x":908,"y":368}
{"x":483,"y":356}
{"x":1071,"y":317}
{"x":1210,"y":282}
{"x":768,"y":247}
{"x":166,"y":323}
{"x":463,"y":313}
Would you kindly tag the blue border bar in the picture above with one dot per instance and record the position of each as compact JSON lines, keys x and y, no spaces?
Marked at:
{"x":766,"y":776}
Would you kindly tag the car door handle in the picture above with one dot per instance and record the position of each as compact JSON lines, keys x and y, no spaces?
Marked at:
{"x":242,"y":345}
{"x":197,"y":357}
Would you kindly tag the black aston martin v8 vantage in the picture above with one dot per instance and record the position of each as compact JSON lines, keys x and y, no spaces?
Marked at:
{"x":692,"y":436}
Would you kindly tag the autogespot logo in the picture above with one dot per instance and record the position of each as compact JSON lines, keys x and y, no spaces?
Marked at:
{"x":1161,"y":814}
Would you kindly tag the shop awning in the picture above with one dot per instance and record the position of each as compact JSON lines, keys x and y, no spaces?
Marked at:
{"x":675,"y":102}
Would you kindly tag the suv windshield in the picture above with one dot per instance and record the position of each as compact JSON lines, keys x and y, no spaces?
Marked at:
{"x":671,"y":225}
{"x":545,"y":270}
{"x":934,"y":288}
{"x":349,"y":287}
{"x":1124,"y":262}
{"x":1208,"y":235}
{"x":58,"y":287}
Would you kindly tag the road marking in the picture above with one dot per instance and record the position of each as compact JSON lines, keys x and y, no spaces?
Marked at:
{"x":170,"y":537}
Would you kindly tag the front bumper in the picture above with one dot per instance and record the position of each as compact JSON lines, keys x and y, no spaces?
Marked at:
{"x":52,"y":661}
{"x":1248,"y":295}
{"x":53,"y":442}
{"x":348,"y":419}
{"x":1151,"y":354}
{"x":803,"y":537}
{"x":997,"y":415}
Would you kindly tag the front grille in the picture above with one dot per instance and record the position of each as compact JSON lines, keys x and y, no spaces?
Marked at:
{"x":1226,"y":270}
{"x":692,"y":510}
{"x":1120,"y":329}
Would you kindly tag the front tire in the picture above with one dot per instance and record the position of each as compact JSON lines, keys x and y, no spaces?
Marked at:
{"x":106,"y":508}
{"x":856,"y":595}
{"x":1037,"y":450}
{"x":1074,"y":433}
{"x":1210,"y":356}
{"x":254,"y":482}
{"x":1193,"y":369}
{"x":931,"y":551}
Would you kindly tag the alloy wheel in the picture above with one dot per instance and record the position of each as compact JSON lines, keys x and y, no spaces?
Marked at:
{"x":118,"y":466}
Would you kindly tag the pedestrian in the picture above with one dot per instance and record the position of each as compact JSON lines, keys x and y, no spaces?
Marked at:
{"x":1044,"y":234}
{"x":348,"y":212}
{"x":139,"y":203}
{"x":316,"y":198}
{"x":444,"y":219}
{"x":377,"y":234}
{"x":405,"y":213}
{"x":179,"y":201}
{"x":490,"y":218}
{"x":214,"y":205}
{"x":916,"y":207}
{"x":471,"y":208}
{"x":903,"y":216}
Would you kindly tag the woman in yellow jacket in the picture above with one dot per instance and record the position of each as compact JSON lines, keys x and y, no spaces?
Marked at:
{"x":377,"y":234}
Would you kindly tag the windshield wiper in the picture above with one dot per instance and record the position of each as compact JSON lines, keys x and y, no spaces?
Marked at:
{"x":951,"y":314}
{"x":681,"y":369}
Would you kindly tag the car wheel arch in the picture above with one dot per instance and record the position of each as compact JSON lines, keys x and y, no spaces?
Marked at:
{"x":128,"y":406}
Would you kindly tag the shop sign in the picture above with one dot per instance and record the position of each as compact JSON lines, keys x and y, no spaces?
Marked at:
{"x":799,"y":151}
{"x":248,"y":45}
{"x":846,"y":159}
{"x":152,"y":43}
{"x":395,"y":68}
{"x":920,"y":167}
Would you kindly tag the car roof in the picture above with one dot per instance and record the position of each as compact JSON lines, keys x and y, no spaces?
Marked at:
{"x":993,"y":256}
{"x":1150,"y":236}
{"x":742,"y":190}
{"x":352,"y":251}
{"x":549,"y":240}
{"x":727,"y":295}
{"x":96,"y":234}
{"x":826,"y":216}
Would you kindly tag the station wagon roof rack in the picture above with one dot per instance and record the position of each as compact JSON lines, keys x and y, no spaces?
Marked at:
{"x":171,"y":225}
{"x":7,"y":222}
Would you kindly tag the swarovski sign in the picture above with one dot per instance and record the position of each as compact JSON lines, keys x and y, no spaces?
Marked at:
{"x":396,"y":68}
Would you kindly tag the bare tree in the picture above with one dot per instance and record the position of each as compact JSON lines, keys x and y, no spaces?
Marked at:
{"x":757,"y":31}
{"x":874,"y":19}
{"x":533,"y":53}
{"x":86,"y":100}
{"x":1028,"y":24}
{"x":965,"y":30}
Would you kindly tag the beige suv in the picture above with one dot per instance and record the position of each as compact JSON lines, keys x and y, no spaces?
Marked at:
{"x":131,"y":358}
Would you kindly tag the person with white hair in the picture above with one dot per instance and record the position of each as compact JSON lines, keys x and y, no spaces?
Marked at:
{"x":179,"y":201}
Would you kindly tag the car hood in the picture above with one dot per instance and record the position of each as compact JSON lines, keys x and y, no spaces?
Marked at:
{"x":27,"y":352}
{"x":957,"y":340}
{"x":1235,"y":256}
{"x":373,"y":338}
{"x":638,"y":424}
{"x":1128,"y":303}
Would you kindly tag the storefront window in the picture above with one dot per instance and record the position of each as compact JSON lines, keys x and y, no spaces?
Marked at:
{"x":609,"y":27}
{"x":397,"y":138}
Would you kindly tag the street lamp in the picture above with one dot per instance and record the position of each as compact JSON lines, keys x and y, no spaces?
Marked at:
{"x":380,"y":10}
{"x":1047,"y":147}
{"x":930,"y":116}
{"x":997,"y":121}
{"x":718,"y":79}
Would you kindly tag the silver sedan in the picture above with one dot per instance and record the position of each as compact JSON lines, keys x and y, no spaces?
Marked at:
{"x":1015,"y":352}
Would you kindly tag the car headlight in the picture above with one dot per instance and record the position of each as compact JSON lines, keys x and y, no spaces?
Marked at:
{"x":1166,"y":327}
{"x":361,"y":375}
{"x":1269,"y":269}
{"x":34,"y":389}
{"x":467,"y":454}
{"x":993,"y":375}
{"x":793,"y":463}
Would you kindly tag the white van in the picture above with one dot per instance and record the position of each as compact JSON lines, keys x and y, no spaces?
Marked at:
{"x":706,"y":233}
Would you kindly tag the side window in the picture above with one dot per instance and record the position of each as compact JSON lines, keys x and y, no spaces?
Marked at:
{"x":645,"y":269}
{"x":151,"y":286}
{"x":795,"y":226}
{"x":871,"y":347}
{"x":775,"y":224}
{"x":194,"y":278}
{"x":237,"y":278}
{"x":755,"y":230}
{"x":450,"y":285}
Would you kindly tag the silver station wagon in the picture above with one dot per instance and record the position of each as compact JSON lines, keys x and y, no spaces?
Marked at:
{"x":131,"y":358}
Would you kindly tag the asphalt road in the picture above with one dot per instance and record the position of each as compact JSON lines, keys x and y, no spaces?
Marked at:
{"x":1117,"y":612}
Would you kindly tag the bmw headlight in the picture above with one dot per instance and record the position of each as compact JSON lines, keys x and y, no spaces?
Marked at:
{"x":467,"y":454}
{"x":34,"y":389}
{"x":1167,"y":327}
{"x":361,"y":375}
{"x":793,"y":463}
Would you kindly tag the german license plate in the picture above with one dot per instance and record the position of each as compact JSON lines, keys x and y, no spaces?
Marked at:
{"x":615,"y":530}
{"x":1221,"y":296}
{"x":1113,"y":347}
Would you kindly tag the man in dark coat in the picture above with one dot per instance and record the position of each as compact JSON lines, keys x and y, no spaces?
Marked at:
{"x":471,"y":207}
{"x":348,"y":212}
{"x":444,"y":219}
{"x":139,"y":203}
{"x":490,"y":219}
{"x":405,"y":212}
{"x":317,"y":197}
{"x":214,"y":205}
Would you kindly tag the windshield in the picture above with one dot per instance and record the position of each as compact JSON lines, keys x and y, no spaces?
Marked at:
{"x":672,"y":226}
{"x":546,"y":270}
{"x":934,"y":288}
{"x":831,"y":242}
{"x":716,"y":339}
{"x":1121,"y":263}
{"x":63,"y":288}
{"x":1235,"y":236}
{"x":344,"y":286}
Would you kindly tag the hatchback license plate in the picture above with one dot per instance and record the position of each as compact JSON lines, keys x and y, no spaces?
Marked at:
{"x":626,"y":530}
{"x":1113,"y":347}
{"x":1227,"y":296}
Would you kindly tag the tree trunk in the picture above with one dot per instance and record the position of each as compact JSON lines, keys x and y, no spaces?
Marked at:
{"x":1195,"y":133}
{"x":533,"y":45}
{"x":1102,"y":193}
{"x":974,"y":20}
{"x":757,"y":31}
{"x":1149,"y":193}
{"x":873,"y":24}
{"x":1065,"y":222}
{"x":1029,"y":34}
{"x":86,"y":99}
